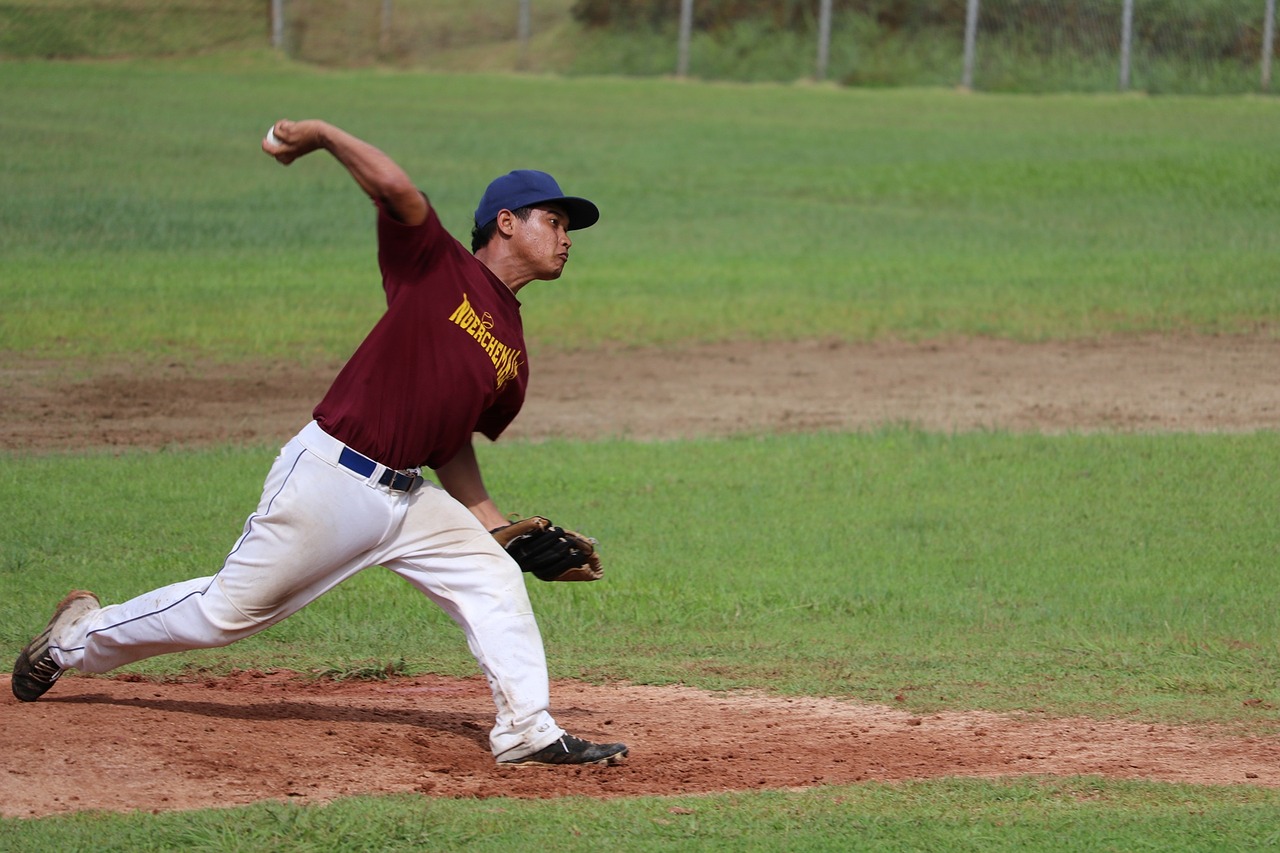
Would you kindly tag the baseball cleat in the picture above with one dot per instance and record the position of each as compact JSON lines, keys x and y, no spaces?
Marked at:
{"x":35,"y":670}
{"x":571,"y":750}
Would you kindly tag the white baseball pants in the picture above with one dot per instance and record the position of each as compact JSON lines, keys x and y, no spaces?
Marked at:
{"x":318,"y":524}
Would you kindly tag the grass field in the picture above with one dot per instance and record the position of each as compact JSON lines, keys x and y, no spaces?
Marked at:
{"x":135,"y":211}
{"x":948,"y":815}
{"x":1078,"y":574}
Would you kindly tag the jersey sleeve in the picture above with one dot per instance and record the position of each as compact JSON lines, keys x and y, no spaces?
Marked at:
{"x":407,"y":252}
{"x":495,"y":419}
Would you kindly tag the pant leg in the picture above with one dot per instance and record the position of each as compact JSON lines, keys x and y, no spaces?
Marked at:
{"x":314,"y":527}
{"x":448,"y":555}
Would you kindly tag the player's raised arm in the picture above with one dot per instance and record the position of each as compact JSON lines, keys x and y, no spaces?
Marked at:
{"x":376,"y":173}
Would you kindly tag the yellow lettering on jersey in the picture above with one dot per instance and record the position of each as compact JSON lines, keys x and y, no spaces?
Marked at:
{"x":506,"y":361}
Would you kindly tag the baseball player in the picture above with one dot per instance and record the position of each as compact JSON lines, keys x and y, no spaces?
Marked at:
{"x":445,"y":361}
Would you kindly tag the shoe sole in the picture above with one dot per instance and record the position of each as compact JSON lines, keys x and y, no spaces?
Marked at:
{"x":609,"y":760}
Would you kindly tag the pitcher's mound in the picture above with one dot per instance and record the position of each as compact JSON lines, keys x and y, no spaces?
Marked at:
{"x":127,"y":744}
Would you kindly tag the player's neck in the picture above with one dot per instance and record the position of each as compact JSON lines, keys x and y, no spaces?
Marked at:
{"x":506,"y":266}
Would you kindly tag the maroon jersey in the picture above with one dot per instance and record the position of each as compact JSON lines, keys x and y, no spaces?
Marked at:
{"x":447,"y":359}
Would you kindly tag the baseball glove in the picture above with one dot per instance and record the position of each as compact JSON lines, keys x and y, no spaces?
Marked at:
{"x":550,"y":553}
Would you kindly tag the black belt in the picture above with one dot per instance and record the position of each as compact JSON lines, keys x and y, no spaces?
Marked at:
{"x":396,"y":481}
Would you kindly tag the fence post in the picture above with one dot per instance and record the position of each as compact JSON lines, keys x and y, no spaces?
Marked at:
{"x":277,"y":24}
{"x":824,"y":39}
{"x":970,"y":43}
{"x":1126,"y":44}
{"x":1268,"y":43}
{"x":524,"y":27}
{"x":384,"y":28}
{"x":686,"y":32}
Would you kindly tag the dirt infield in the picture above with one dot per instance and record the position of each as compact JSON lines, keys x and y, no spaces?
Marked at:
{"x":125,"y":744}
{"x":1133,"y":384}
{"x":98,"y":743}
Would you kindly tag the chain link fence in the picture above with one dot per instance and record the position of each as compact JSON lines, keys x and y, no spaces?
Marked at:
{"x":470,"y":35}
{"x":1175,"y":46}
{"x":1206,"y":46}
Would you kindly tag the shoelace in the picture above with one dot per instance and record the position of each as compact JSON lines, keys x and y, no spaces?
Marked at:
{"x":44,"y":668}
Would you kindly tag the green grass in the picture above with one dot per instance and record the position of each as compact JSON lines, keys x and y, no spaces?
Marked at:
{"x":140,"y":217}
{"x":77,"y":29}
{"x":1088,"y":574}
{"x":954,"y":815}
{"x":1076,"y":574}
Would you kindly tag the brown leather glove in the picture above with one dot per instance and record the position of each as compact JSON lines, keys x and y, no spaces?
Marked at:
{"x":549,"y":552}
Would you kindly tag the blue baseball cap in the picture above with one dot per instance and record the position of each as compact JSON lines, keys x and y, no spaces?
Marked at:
{"x":529,"y":187}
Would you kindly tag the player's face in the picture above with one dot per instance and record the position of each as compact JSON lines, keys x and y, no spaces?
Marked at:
{"x":544,"y":241}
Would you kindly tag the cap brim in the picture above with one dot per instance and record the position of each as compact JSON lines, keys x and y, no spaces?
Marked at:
{"x":582,"y":213}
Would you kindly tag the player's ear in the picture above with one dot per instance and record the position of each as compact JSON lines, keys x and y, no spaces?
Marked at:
{"x":506,"y":222}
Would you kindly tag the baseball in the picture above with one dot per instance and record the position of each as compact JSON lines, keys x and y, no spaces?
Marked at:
{"x":271,"y":135}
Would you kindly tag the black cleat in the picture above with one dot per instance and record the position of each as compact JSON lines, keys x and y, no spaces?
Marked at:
{"x":35,"y":670}
{"x":571,"y":750}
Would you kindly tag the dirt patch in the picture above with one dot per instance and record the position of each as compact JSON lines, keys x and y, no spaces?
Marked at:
{"x":255,"y":736}
{"x":127,"y":745}
{"x":1191,"y":384}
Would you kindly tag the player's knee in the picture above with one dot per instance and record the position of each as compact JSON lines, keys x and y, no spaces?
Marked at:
{"x":236,"y":614}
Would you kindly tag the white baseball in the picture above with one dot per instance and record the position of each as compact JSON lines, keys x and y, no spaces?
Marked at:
{"x":271,"y":135}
